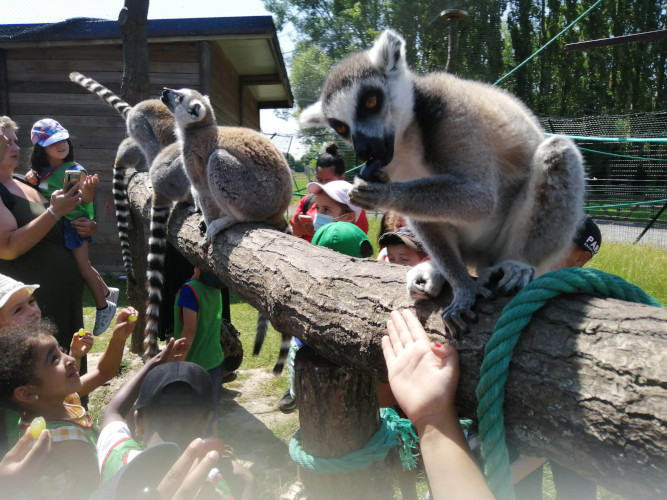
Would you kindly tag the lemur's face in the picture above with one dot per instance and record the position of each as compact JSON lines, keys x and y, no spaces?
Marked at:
{"x":361,"y":114}
{"x":186,"y":105}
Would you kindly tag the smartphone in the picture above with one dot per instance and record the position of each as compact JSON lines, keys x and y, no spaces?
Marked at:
{"x":305,"y":218}
{"x":72,"y":177}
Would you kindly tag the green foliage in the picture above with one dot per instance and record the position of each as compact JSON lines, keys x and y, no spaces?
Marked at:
{"x":496,"y":36}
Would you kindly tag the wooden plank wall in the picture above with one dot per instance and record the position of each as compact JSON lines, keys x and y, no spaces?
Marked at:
{"x":39,"y":87}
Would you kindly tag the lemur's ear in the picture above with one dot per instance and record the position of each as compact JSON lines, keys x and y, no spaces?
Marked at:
{"x":312,"y":116}
{"x":388,"y":53}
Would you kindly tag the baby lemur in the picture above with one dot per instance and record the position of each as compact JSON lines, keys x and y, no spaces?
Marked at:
{"x":465,"y":162}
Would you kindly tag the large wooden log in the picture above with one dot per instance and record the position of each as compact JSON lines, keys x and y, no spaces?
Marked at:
{"x":587,"y":385}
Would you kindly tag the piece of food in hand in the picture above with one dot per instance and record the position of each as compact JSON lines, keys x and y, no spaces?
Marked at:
{"x":372,"y":171}
{"x":37,"y":425}
{"x":132,"y":318}
{"x":82,"y":332}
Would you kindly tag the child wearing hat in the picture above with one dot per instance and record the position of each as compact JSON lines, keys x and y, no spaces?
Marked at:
{"x":174,"y":403}
{"x":52,"y":156}
{"x":585,"y":244}
{"x":332,"y":201}
{"x":403,"y":247}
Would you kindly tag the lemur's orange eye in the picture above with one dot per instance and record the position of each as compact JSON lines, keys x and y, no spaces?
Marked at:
{"x":341,"y":129}
{"x":371,"y":102}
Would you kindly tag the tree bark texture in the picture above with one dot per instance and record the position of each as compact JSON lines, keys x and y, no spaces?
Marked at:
{"x":587,"y":384}
{"x":341,"y":414}
{"x":132,"y":21}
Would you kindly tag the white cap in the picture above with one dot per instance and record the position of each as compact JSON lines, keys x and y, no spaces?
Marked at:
{"x":9,"y":286}
{"x":338,"y":191}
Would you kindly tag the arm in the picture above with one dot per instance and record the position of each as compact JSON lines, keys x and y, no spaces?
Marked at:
{"x":22,"y":463}
{"x":424,"y":378}
{"x":121,"y":403}
{"x":188,"y":333}
{"x":107,"y":368}
{"x":15,"y":241}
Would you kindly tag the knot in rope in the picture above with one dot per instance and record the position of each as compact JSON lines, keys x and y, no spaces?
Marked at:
{"x":498,"y":352}
{"x":393,"y":431}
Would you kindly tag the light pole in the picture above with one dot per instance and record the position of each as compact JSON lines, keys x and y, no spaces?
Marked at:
{"x":453,"y":16}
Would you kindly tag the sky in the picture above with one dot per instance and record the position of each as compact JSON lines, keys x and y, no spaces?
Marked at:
{"x":52,"y":11}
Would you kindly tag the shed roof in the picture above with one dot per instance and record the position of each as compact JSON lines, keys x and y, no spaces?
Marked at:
{"x":250,"y":43}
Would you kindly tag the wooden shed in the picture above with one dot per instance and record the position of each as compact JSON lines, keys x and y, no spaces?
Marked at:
{"x":235,"y":60}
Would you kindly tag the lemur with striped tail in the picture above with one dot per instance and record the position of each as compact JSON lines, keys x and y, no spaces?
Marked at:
{"x":152,"y":143}
{"x":238,"y":175}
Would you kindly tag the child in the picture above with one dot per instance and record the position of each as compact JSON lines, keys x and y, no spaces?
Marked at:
{"x":39,"y":380}
{"x":585,"y":244}
{"x":333,"y":203}
{"x":197,"y":319}
{"x":18,"y":306}
{"x":403,"y":247}
{"x":329,"y":166}
{"x":174,"y":403}
{"x":52,"y":155}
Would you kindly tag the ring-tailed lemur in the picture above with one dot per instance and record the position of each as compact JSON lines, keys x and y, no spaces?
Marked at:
{"x":465,"y":162}
{"x":237,"y":174}
{"x":151,"y":129}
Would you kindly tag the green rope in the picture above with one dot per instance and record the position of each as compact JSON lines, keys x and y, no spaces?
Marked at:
{"x":627,"y":204}
{"x":642,"y":158}
{"x":498,"y":351}
{"x":393,"y":431}
{"x":530,"y":58}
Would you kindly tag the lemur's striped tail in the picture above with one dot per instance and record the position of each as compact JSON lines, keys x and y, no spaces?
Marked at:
{"x":157,"y":243}
{"x":107,"y":95}
{"x":260,"y":335}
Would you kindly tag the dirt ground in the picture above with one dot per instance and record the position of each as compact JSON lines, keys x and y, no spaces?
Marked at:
{"x":249,"y":422}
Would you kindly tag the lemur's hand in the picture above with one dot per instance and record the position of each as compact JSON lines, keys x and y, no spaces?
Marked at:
{"x":369,"y":195}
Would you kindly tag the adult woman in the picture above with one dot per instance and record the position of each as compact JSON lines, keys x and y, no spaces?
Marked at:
{"x":31,"y":241}
{"x":329,"y":167}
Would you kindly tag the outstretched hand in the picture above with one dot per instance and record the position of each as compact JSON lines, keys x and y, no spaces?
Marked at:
{"x":423,"y":375}
{"x":22,"y":463}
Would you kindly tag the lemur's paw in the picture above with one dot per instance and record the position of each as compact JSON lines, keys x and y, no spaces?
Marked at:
{"x":424,"y":281}
{"x":508,"y":277}
{"x":372,"y":171}
{"x":459,"y":313}
{"x":369,"y":195}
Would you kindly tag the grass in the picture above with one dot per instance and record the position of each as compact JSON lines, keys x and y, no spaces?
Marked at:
{"x":642,"y":265}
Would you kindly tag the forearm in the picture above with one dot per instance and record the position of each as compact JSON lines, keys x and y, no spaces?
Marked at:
{"x":110,"y":361}
{"x":18,"y":240}
{"x":121,"y":403}
{"x":452,"y":473}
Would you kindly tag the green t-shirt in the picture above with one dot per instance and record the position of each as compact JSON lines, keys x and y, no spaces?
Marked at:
{"x":54,"y":181}
{"x":205,"y":350}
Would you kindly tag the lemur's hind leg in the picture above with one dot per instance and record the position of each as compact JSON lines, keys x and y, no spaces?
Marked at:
{"x":545,"y":223}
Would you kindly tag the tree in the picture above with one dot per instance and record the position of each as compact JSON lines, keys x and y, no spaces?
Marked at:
{"x":132,"y":21}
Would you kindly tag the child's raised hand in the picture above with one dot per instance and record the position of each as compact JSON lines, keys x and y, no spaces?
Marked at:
{"x":181,"y":349}
{"x":88,"y":187}
{"x":81,"y":344}
{"x":423,"y":375}
{"x":31,"y":177}
{"x":125,"y":322}
{"x":23,"y":461}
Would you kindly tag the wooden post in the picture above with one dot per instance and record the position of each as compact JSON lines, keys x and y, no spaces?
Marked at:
{"x":338,"y":414}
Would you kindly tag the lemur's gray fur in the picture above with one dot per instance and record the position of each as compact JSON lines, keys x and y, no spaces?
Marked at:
{"x":238,"y":175}
{"x":152,"y":142}
{"x":465,"y":162}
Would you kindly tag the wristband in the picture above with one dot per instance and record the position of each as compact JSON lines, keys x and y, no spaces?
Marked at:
{"x":50,"y":210}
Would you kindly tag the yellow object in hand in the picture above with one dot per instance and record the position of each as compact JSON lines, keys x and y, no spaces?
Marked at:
{"x":82,"y":332}
{"x":132,"y":317}
{"x":37,"y":425}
